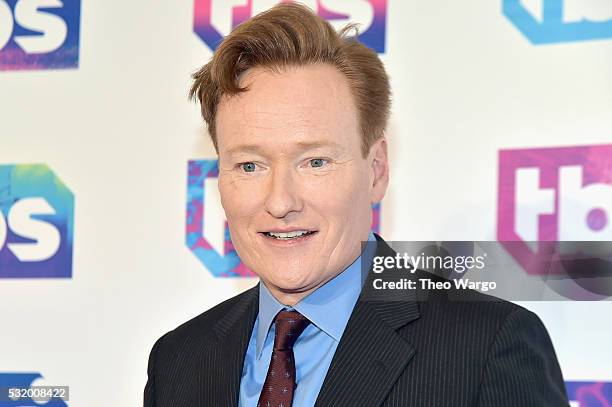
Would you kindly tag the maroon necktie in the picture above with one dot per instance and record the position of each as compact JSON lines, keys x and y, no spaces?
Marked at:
{"x":278,"y":388}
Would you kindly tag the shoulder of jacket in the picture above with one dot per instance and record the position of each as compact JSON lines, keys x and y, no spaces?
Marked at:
{"x":201,"y":325}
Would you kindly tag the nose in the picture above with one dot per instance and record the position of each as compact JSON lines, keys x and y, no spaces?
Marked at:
{"x":283,"y":193}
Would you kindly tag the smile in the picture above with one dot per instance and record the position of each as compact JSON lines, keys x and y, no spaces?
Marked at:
{"x":289,"y":235}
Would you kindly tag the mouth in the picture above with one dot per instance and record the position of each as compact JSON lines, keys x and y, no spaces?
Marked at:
{"x":289,"y":236}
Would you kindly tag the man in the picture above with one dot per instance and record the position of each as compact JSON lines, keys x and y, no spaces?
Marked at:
{"x":297,"y":114}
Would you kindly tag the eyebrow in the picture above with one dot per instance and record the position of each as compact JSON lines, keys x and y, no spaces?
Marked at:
{"x":303,"y":145}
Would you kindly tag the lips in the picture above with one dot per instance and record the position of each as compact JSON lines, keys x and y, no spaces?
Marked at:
{"x":289,"y":235}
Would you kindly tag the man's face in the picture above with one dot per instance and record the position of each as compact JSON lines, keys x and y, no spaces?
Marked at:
{"x":296,"y":190}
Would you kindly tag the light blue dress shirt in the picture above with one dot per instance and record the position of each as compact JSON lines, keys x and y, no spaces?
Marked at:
{"x":328,"y":308}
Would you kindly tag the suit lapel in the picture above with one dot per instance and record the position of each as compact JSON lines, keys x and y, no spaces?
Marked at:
{"x":371,"y":354}
{"x":370,"y":357}
{"x":233,"y":333}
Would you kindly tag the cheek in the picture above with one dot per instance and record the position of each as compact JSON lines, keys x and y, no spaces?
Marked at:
{"x":342,"y":193}
{"x":239,"y":199}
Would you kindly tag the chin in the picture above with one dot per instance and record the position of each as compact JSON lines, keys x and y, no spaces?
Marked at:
{"x":296,"y":283}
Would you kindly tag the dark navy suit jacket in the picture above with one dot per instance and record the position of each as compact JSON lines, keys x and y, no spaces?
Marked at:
{"x":430,"y":349}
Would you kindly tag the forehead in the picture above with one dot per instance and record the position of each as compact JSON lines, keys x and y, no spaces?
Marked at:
{"x":294,"y":105}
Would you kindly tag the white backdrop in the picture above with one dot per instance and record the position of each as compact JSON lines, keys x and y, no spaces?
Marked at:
{"x":118,"y":131}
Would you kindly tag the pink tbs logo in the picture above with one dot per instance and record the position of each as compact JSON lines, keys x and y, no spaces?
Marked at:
{"x":214,"y":19}
{"x":553,"y":194}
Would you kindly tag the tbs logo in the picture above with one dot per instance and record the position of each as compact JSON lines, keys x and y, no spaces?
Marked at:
{"x":39,"y":34}
{"x":555,"y":21}
{"x":214,"y":19}
{"x":554,"y":194}
{"x":589,"y":394}
{"x":36,"y":223}
{"x":207,"y":234}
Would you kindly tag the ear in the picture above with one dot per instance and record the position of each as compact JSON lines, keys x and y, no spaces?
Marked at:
{"x":379,"y":166}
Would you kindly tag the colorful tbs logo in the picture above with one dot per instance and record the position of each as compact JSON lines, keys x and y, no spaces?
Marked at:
{"x":555,"y":21}
{"x":214,"y":19}
{"x":207,"y":233}
{"x":36,"y":223}
{"x":39,"y":34}
{"x":589,"y":394}
{"x":553,"y":194}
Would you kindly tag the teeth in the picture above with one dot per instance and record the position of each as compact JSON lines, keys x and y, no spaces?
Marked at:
{"x":288,"y":235}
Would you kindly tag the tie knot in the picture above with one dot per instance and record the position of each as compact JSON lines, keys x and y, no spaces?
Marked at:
{"x":289,"y":326}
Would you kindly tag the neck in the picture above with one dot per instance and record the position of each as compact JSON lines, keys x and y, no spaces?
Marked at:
{"x":291,"y":297}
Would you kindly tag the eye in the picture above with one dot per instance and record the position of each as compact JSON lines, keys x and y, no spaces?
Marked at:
{"x":248,"y":167}
{"x":317,"y":162}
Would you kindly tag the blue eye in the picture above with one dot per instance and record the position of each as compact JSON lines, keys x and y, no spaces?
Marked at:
{"x":317,"y":162}
{"x":248,"y":167}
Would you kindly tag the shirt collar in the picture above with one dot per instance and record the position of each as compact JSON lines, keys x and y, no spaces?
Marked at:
{"x":338,"y":294}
